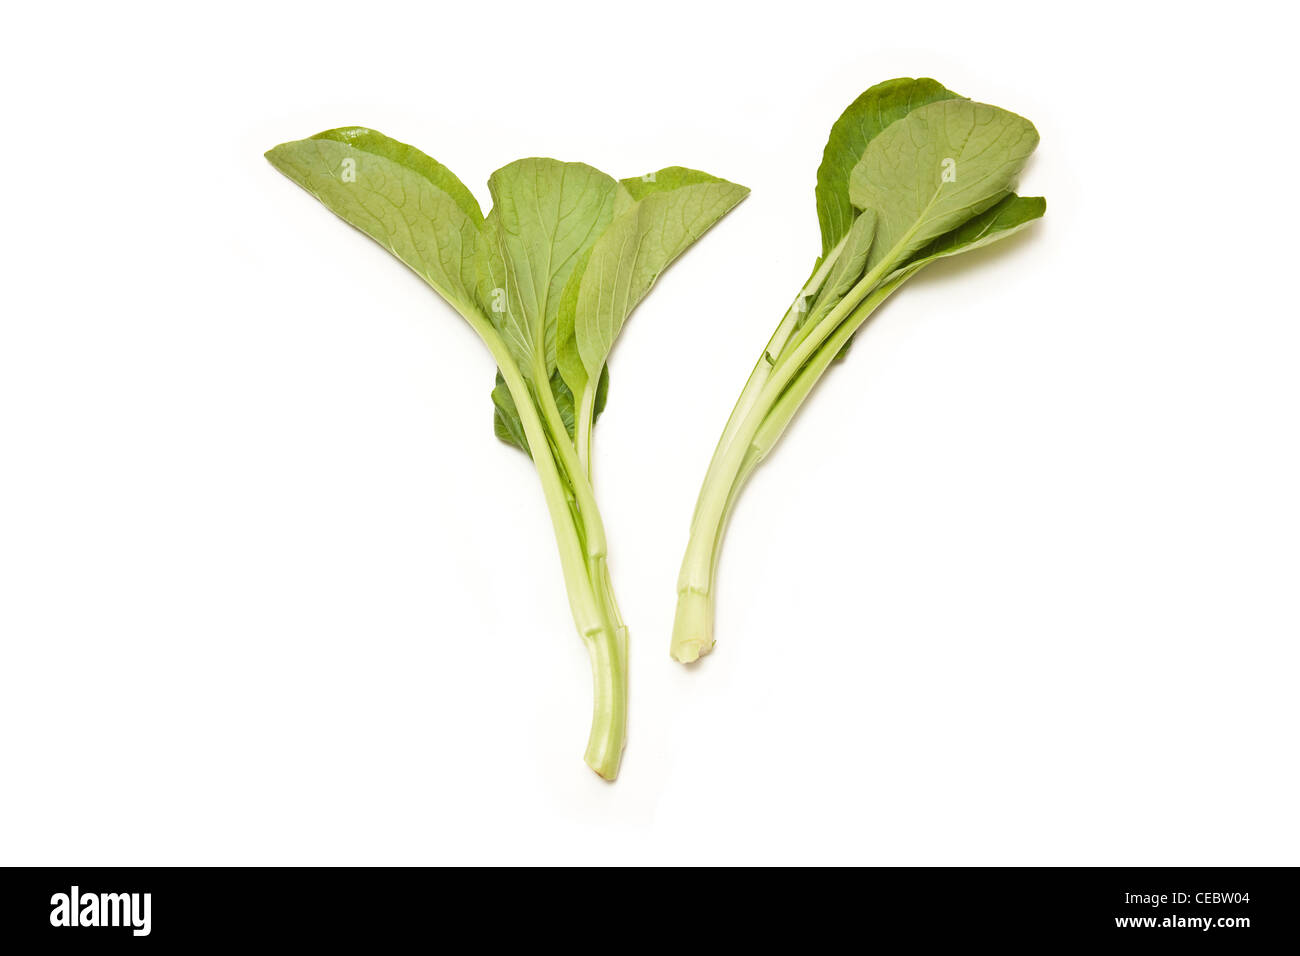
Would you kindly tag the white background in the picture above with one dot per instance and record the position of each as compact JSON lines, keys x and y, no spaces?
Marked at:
{"x":1018,"y":587}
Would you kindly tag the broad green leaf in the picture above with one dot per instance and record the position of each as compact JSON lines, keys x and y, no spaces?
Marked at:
{"x":665,"y":180}
{"x":490,"y":272}
{"x":628,"y":258}
{"x":857,"y":126}
{"x":997,"y":222}
{"x":934,"y":169}
{"x":369,"y":141}
{"x":635,"y":188}
{"x":404,"y":200}
{"x":547,"y":214}
{"x":631,"y":191}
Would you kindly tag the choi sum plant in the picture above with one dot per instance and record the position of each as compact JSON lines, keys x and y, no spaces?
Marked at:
{"x":546,"y":279}
{"x":912,"y":173}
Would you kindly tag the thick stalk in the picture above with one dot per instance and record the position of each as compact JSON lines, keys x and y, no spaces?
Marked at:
{"x":775,"y":346}
{"x":610,"y":653}
{"x":782,"y":393}
{"x":811,"y":337}
{"x":590,"y":595}
{"x":574,"y":469}
{"x":606,"y":644}
{"x":785,"y":407}
{"x":608,"y":647}
{"x":608,"y":650}
{"x":609,"y":669}
{"x":605,"y":635}
{"x":693,"y":622}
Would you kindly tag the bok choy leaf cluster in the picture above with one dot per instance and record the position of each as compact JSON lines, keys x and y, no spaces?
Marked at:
{"x":912,"y":173}
{"x":547,"y":279}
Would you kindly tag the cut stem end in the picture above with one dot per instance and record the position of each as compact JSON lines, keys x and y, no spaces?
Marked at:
{"x":608,"y":651}
{"x":692,"y":626}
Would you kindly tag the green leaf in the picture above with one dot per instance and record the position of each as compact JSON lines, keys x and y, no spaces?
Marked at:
{"x":505,"y":418}
{"x":567,"y":357}
{"x":404,"y":200}
{"x":934,"y":169}
{"x":628,"y":258}
{"x":997,"y":222}
{"x":547,"y":214}
{"x":666,"y":180}
{"x":369,"y":141}
{"x":845,"y":271}
{"x":857,"y":126}
{"x":602,"y":395}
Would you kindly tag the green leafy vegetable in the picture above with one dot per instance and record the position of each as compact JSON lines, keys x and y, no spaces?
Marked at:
{"x":547,"y":279}
{"x":912,"y":173}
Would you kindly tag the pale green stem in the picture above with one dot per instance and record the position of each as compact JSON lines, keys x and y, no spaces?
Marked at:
{"x":747,"y":443}
{"x":586,"y":580}
{"x":573,"y":467}
{"x":608,"y":651}
{"x":585,"y":419}
{"x":609,"y":658}
{"x":776,"y":344}
{"x":693,"y":623}
{"x":785,"y":407}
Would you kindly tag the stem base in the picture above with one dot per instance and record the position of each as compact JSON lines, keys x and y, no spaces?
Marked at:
{"x":608,"y":651}
{"x":692,"y":626}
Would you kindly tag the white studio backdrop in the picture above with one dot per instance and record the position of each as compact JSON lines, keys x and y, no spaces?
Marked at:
{"x":1019,"y":586}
